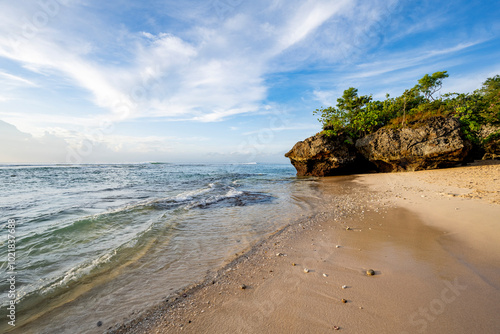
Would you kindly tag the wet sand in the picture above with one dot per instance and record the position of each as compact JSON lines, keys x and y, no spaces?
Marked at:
{"x":431,"y":237}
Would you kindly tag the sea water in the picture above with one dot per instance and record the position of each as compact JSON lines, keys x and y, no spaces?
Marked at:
{"x":96,"y":243}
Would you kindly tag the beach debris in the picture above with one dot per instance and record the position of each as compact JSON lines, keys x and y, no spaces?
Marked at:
{"x":344,"y":286}
{"x":338,"y":246}
{"x":325,"y":275}
{"x":243,"y":286}
{"x":99,"y":323}
{"x":280,"y":254}
{"x":306,"y":270}
{"x":336,"y":328}
{"x":348,"y":228}
{"x":344,"y":300}
{"x":294,"y":264}
{"x":370,"y":272}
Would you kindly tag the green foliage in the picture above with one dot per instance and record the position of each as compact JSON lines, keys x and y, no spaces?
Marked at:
{"x":430,"y":84}
{"x":468,"y":107}
{"x":352,"y":115}
{"x":491,"y":94}
{"x":492,"y":137}
{"x":357,"y":116}
{"x":491,"y":86}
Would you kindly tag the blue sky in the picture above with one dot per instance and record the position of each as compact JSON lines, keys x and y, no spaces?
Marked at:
{"x":216,"y":81}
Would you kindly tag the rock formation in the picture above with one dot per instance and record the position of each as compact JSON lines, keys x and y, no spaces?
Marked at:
{"x":321,"y":155}
{"x":434,"y":143}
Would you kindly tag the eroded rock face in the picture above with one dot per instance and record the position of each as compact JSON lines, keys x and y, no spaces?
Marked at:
{"x":436,"y":143}
{"x":320,"y":155}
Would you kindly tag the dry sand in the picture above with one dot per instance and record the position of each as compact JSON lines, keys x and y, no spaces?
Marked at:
{"x":432,"y":238}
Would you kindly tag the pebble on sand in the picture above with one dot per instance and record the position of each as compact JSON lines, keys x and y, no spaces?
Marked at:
{"x":243,"y":287}
{"x":99,"y":323}
{"x":344,"y":300}
{"x":370,"y":272}
{"x":306,"y":270}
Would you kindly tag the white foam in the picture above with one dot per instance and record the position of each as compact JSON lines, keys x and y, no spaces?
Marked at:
{"x":189,"y":195}
{"x":233,"y":193}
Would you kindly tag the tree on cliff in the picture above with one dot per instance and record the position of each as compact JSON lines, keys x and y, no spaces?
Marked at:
{"x":353,"y":116}
{"x":357,"y":116}
{"x":430,"y":84}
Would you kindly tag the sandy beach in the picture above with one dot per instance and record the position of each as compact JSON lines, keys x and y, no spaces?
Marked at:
{"x":431,"y":238}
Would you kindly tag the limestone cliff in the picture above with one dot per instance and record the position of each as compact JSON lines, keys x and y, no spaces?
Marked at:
{"x":434,"y":143}
{"x":321,"y":155}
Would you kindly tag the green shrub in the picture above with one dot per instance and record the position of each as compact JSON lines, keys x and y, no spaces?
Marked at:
{"x":357,"y":116}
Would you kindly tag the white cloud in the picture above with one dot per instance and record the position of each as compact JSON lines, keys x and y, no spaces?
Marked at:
{"x":466,"y":83}
{"x":217,"y":73}
{"x":283,"y":128}
{"x":16,"y":80}
{"x":326,"y":98}
{"x":4,"y":98}
{"x":61,"y":145}
{"x":307,"y":18}
{"x":406,"y":60}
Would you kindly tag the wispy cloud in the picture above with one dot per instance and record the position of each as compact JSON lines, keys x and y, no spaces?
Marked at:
{"x":212,"y":75}
{"x":16,"y":80}
{"x":285,"y":128}
{"x":406,"y":60}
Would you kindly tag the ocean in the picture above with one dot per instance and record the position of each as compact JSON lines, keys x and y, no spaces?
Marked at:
{"x":96,"y":243}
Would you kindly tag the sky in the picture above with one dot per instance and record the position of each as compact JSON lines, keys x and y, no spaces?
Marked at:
{"x":222,"y":81}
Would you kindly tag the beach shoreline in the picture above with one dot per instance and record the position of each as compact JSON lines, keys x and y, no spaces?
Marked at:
{"x":429,"y":237}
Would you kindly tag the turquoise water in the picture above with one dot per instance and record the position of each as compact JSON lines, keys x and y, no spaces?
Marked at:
{"x":86,"y":235}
